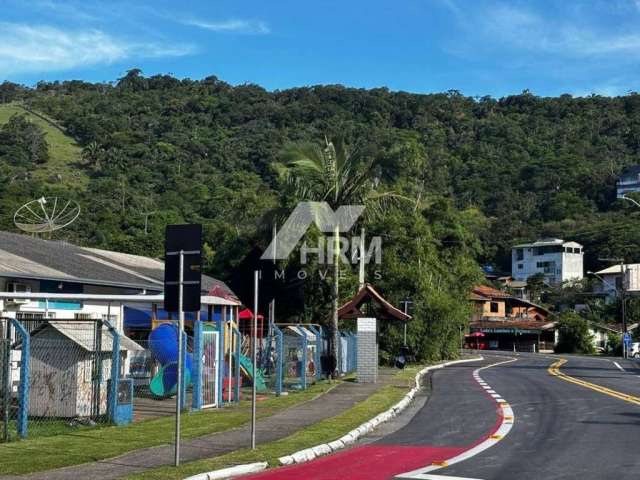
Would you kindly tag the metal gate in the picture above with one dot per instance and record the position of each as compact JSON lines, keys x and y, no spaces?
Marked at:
{"x":5,"y":387}
{"x":210,"y":368}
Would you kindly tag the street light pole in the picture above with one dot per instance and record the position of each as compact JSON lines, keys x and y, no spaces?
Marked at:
{"x":622,"y":291}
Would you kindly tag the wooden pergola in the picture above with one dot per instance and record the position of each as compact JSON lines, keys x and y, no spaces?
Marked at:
{"x":351,"y":309}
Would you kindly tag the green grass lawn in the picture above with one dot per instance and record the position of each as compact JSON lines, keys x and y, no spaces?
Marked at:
{"x":65,"y":154}
{"x":321,"y":432}
{"x":87,"y":445}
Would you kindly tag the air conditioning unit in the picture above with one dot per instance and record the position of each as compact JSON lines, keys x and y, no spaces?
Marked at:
{"x":18,"y":288}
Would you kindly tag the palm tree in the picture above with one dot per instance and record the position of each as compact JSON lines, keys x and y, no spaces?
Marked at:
{"x":92,"y":153}
{"x":332,"y":174}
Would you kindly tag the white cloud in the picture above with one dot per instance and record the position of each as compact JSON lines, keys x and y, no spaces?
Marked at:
{"x":515,"y":27}
{"x":254,"y":27}
{"x":40,"y":48}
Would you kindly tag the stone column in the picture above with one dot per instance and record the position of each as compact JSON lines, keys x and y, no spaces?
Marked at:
{"x":367,"y":350}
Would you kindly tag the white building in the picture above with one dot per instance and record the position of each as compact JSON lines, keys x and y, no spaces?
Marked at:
{"x":48,"y":280}
{"x":557,"y":260}
{"x":611,"y":279}
{"x":629,"y":181}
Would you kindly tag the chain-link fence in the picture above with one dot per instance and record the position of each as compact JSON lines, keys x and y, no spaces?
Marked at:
{"x":271,"y":360}
{"x":300,"y":357}
{"x":347,"y":352}
{"x":59,"y":376}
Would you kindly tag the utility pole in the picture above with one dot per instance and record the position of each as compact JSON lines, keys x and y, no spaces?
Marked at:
{"x":623,"y":289}
{"x":272,"y":303}
{"x":623,"y":273}
{"x":256,"y":276}
{"x":406,"y":304}
{"x":361,"y":270}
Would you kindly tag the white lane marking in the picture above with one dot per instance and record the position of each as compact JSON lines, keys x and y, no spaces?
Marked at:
{"x":495,"y":395}
{"x":427,"y":476}
{"x":619,"y":367}
{"x":505,"y":427}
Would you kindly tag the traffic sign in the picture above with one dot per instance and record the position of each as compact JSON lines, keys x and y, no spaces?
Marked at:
{"x":185,"y":239}
{"x":626,"y":338}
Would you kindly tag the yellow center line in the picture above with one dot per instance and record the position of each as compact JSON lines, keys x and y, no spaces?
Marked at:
{"x":554,"y":370}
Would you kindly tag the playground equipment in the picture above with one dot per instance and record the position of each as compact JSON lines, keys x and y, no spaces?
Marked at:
{"x":300,"y":347}
{"x":163,"y":343}
{"x":246,"y":367}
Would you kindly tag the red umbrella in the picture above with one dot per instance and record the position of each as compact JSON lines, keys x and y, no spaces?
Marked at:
{"x":476,"y":335}
{"x":247,"y":314}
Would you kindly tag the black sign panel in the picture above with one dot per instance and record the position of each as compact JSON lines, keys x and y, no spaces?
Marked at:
{"x":188,"y":239}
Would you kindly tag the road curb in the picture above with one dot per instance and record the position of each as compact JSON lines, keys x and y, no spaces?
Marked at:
{"x":231,"y":471}
{"x":308,"y":454}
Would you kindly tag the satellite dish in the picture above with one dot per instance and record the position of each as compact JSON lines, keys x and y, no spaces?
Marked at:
{"x":46,"y":214}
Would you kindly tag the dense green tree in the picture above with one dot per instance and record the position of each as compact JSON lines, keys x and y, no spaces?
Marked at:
{"x":487,"y":173}
{"x":574,"y":335}
{"x":337,"y":176}
{"x":22,"y":143}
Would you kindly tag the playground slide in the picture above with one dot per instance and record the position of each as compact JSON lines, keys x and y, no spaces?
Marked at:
{"x":246,"y":367}
{"x":163,"y":343}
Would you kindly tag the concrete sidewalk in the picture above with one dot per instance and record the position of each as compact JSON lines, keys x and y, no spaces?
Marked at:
{"x":274,"y":427}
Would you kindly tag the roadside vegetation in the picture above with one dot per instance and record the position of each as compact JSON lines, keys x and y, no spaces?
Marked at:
{"x":574,"y":336}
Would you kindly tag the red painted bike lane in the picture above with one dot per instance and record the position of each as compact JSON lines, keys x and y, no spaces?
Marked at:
{"x":368,"y":462}
{"x":379,"y":461}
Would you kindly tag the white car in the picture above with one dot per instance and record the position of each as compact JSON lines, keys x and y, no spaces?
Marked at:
{"x":634,"y":351}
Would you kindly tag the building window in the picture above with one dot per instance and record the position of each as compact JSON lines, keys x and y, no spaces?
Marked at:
{"x":494,"y":307}
{"x":520,"y":266}
{"x":547,"y":267}
{"x":519,"y":254}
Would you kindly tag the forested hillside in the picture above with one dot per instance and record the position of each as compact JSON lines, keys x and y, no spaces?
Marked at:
{"x":498,"y":170}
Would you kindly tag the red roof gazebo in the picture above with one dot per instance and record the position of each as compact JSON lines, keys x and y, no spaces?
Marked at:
{"x":351,"y":309}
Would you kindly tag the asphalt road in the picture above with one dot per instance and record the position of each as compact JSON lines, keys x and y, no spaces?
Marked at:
{"x":560,"y":430}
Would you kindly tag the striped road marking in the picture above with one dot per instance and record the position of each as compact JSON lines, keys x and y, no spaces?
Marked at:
{"x":506,"y":416}
{"x":619,"y":367}
{"x":554,"y":370}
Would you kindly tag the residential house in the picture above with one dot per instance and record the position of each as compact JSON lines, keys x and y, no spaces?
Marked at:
{"x":558,"y":261}
{"x":600,"y":333}
{"x":611,"y":280}
{"x":506,"y":322}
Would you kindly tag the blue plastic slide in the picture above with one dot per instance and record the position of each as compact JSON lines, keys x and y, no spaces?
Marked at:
{"x":163,"y":343}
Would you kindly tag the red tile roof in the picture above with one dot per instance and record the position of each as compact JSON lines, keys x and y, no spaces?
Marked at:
{"x":523,"y":324}
{"x":489,"y":292}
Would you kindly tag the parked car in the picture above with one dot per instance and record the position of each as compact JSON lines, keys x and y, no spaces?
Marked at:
{"x":634,"y":351}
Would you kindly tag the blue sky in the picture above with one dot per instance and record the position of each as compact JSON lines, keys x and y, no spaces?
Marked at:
{"x":480,"y":47}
